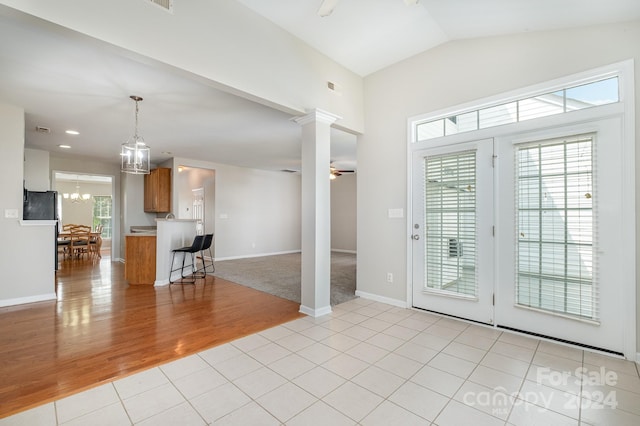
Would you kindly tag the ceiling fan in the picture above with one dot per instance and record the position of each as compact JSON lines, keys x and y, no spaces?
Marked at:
{"x":327,"y":6}
{"x":334,"y":172}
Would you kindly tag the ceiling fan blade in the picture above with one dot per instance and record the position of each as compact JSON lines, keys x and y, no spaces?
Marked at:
{"x":327,"y":7}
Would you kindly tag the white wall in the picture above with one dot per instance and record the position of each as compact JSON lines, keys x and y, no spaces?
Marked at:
{"x":36,"y":170}
{"x":92,"y":167}
{"x":193,"y":178}
{"x":80,"y":213}
{"x":343,"y":213}
{"x":257,"y":212}
{"x":27,"y":262}
{"x":453,"y":74}
{"x":222,"y":41}
{"x":132,"y":208}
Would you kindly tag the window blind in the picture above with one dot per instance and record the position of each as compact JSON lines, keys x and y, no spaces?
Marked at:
{"x":556,"y":227}
{"x":450,"y":215}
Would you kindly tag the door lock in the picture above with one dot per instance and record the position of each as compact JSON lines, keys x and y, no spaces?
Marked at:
{"x":415,"y":237}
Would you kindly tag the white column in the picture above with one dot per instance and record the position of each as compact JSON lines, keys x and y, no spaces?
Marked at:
{"x":316,"y":212}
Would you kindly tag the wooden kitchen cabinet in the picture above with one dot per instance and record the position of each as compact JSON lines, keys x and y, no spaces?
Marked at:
{"x":157,"y":191}
{"x":140,"y":259}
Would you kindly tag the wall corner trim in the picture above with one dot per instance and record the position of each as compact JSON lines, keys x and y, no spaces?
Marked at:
{"x":315,"y":313}
{"x":382,"y":299}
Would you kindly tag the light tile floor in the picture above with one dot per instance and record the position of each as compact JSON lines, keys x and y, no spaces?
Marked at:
{"x":367,"y":363}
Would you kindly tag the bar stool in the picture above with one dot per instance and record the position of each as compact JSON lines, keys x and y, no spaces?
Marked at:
{"x":195,"y":247}
{"x":206,"y":245}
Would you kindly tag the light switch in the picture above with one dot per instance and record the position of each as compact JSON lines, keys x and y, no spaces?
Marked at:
{"x":396,"y":213}
{"x":11,"y":213}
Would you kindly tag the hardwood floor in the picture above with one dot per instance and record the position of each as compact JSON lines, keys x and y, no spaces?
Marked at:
{"x":100,"y":329}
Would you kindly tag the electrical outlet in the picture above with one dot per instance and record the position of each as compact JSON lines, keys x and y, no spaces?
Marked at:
{"x":389,"y":277}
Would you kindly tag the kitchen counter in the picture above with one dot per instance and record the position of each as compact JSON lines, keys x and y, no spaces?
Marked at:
{"x":172,"y":234}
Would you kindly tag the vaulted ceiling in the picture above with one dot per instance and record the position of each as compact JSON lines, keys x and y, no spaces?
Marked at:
{"x":65,"y":82}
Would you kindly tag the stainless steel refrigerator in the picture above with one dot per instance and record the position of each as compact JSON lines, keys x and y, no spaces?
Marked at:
{"x":42,"y":205}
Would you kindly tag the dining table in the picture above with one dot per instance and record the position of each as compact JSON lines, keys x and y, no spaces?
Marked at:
{"x":95,"y":237}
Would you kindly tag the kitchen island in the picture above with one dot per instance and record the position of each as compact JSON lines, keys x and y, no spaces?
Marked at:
{"x":172,"y":234}
{"x":148,"y":253}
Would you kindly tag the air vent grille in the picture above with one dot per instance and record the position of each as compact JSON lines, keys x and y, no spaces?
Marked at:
{"x":165,"y":4}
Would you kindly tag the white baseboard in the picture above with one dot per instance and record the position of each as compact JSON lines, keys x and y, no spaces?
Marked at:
{"x":315,"y":313}
{"x":249,"y":256}
{"x":30,"y":299}
{"x":255,"y":255}
{"x":382,"y":299}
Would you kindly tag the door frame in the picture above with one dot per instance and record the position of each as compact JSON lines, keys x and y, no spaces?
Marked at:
{"x":625,"y":109}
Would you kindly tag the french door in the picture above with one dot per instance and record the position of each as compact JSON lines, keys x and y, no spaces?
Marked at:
{"x":452,"y":230}
{"x":561,"y":261}
{"x":530,"y":241}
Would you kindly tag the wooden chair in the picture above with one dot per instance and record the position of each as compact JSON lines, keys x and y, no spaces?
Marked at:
{"x":95,"y":242}
{"x":64,"y":241}
{"x":79,"y":240}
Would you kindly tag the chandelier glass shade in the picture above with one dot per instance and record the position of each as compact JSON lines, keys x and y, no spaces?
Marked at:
{"x":134,"y":153}
{"x":76,"y":197}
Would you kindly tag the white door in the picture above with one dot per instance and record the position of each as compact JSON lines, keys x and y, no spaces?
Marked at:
{"x":452,"y":230}
{"x":197,"y":210}
{"x":558,"y":234}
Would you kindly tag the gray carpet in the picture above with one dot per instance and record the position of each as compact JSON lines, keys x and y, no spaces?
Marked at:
{"x":280,"y":275}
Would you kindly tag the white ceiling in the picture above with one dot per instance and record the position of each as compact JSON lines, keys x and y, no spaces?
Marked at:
{"x":68,"y":82}
{"x":367,"y":35}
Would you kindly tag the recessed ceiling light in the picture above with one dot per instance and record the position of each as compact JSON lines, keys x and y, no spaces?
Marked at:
{"x":64,"y":146}
{"x":72,"y":132}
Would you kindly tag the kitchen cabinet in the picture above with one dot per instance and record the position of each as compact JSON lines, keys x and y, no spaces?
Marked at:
{"x":140,"y":259}
{"x":157,"y":191}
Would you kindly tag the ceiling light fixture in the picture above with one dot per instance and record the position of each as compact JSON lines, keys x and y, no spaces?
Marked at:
{"x":72,"y":132}
{"x":135,"y":153}
{"x":64,"y":146}
{"x":76,"y":197}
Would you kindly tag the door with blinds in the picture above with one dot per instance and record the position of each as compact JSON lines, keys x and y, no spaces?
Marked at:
{"x":452,"y":230}
{"x":558,"y":235}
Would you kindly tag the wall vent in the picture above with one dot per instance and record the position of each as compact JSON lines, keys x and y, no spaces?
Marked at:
{"x":165,"y":4}
{"x":41,"y":129}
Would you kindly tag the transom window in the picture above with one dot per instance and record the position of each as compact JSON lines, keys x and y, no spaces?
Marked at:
{"x":568,"y":99}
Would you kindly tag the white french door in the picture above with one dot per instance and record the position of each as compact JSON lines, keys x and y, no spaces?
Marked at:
{"x":559,"y":233}
{"x":553,"y":200}
{"x":452,"y":230}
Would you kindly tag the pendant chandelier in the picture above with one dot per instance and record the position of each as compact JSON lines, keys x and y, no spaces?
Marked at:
{"x":76,"y":197}
{"x":135,"y":153}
